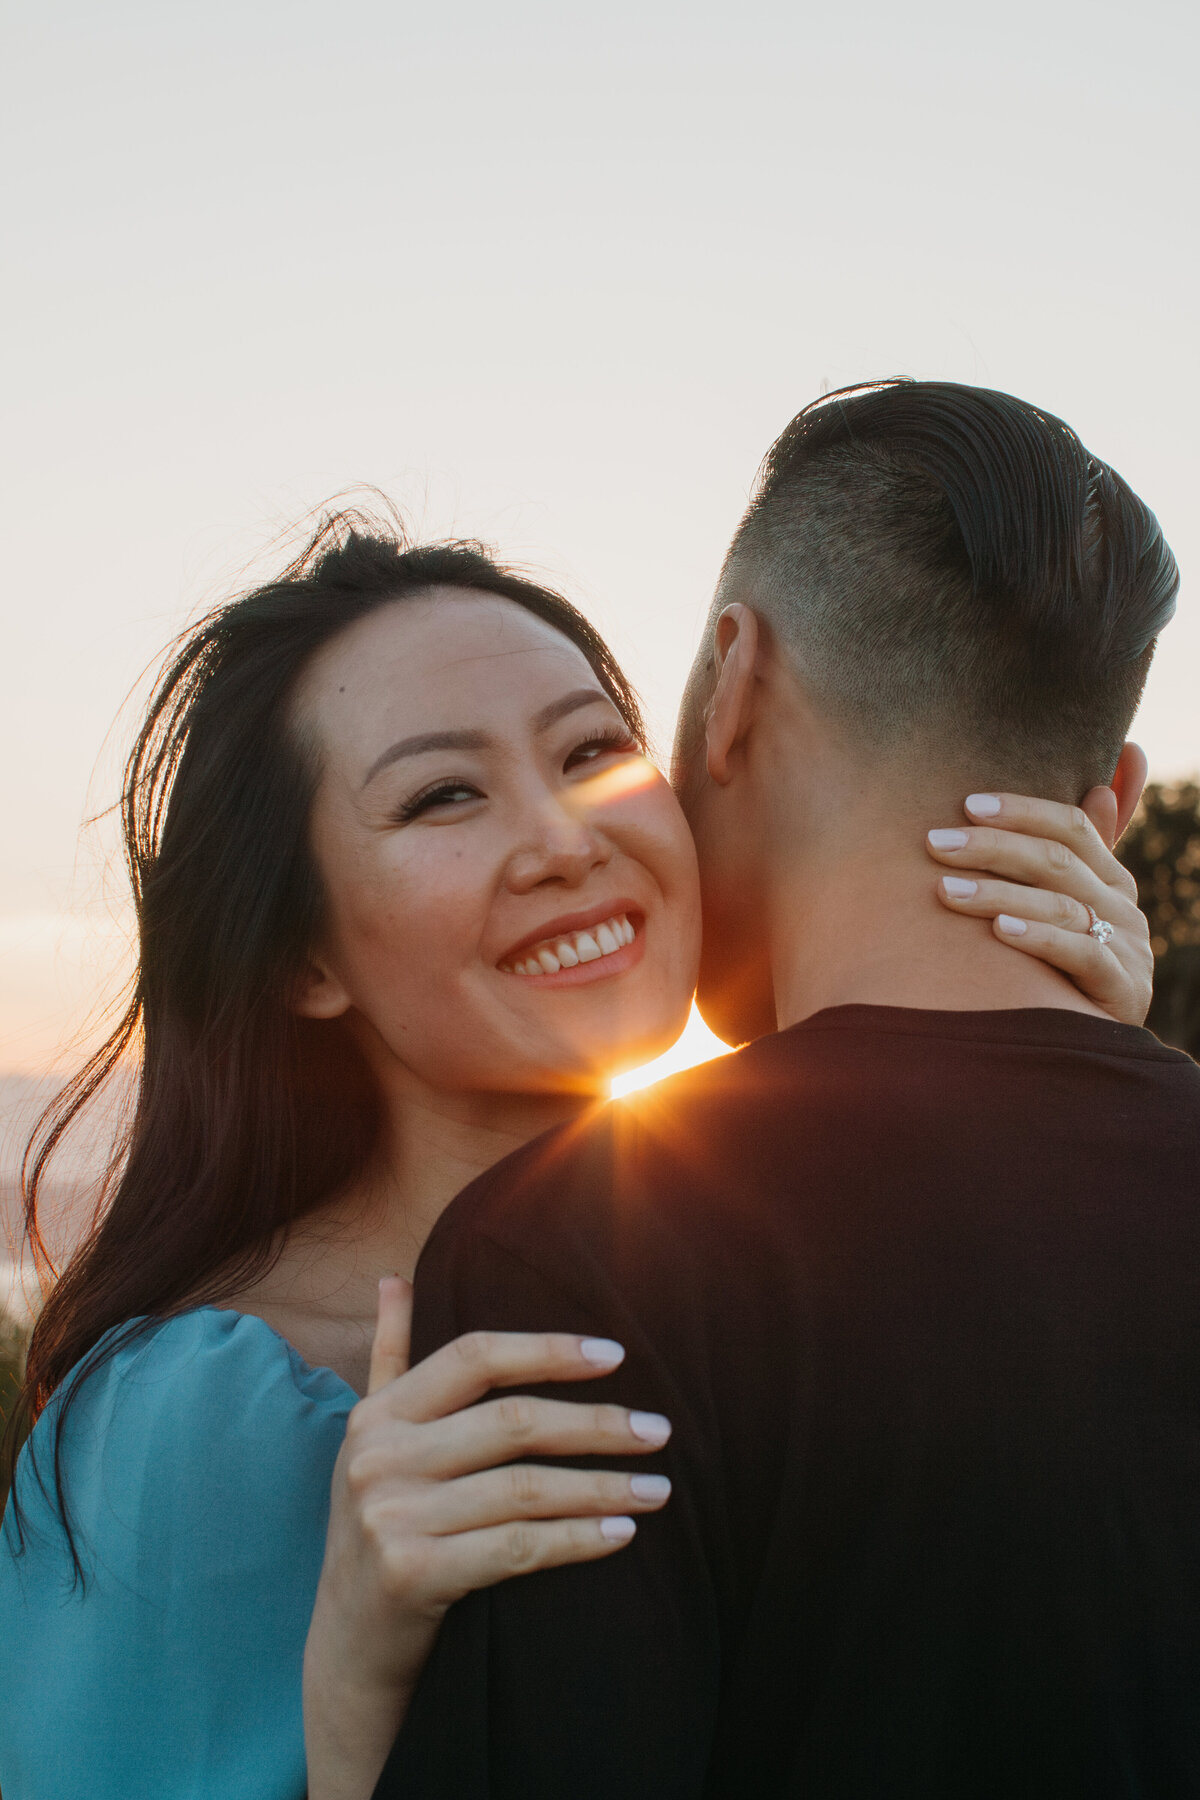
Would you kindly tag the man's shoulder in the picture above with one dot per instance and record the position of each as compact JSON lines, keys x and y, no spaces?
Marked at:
{"x":818,"y":1165}
{"x":640,"y":1199}
{"x":837,"y":1102}
{"x":633,"y":1164}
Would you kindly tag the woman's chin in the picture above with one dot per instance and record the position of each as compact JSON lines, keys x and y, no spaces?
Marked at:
{"x":629,"y":1052}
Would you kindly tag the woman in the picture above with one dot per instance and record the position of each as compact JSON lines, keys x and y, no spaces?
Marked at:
{"x":409,"y":891}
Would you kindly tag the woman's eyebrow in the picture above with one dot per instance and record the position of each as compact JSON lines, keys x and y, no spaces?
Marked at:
{"x":426,"y":740}
{"x":479,"y":740}
{"x":559,"y":709}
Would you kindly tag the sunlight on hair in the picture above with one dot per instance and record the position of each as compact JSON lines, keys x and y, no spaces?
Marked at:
{"x":629,"y":776}
{"x":696,"y":1044}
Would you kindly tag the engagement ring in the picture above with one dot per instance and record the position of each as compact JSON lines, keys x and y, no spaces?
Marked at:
{"x":1099,"y":928}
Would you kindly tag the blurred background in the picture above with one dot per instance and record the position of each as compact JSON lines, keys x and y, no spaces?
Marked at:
{"x":546,"y":274}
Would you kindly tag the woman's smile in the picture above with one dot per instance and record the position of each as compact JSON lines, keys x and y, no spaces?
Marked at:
{"x":583,"y":947}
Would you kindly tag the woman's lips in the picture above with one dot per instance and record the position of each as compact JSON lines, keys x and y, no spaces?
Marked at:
{"x":565,"y":925}
{"x":588,"y":953}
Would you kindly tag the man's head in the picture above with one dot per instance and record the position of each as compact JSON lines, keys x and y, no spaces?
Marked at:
{"x":947,"y":592}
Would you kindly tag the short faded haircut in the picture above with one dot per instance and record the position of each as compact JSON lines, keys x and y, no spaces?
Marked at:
{"x":947,"y":563}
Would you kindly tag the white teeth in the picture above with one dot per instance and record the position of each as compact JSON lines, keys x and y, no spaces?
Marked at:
{"x":580,"y":947}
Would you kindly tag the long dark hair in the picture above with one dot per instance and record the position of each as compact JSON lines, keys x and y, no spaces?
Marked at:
{"x":246,"y":1116}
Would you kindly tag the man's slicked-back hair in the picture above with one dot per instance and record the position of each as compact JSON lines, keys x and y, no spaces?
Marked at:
{"x":947,"y":563}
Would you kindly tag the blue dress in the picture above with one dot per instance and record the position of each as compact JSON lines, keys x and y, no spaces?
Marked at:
{"x":197,"y":1468}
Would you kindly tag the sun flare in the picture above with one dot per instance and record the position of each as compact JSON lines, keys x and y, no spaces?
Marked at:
{"x":629,"y":776}
{"x":695,"y":1044}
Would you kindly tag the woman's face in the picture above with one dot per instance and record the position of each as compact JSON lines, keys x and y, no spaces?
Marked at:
{"x":511,"y":892}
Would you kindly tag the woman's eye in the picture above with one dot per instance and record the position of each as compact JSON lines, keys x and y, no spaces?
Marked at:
{"x":446,"y":793}
{"x":606,"y":743}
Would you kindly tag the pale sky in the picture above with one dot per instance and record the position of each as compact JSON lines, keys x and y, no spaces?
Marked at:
{"x":553,"y":275}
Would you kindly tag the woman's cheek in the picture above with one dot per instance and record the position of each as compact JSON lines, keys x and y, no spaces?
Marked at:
{"x":405,"y":944}
{"x":656,"y":835}
{"x":415,"y":999}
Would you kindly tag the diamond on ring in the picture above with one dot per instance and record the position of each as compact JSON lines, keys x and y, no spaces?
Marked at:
{"x":1100,"y":929}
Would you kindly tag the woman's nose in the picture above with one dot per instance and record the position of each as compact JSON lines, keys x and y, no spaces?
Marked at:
{"x":559,"y":846}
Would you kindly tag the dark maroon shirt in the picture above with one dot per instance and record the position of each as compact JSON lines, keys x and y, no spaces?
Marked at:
{"x":921,"y":1294}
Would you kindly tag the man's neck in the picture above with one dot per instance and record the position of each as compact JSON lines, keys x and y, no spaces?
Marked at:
{"x":865,"y":927}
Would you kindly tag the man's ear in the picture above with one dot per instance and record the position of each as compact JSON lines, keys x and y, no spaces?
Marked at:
{"x":728,"y":713}
{"x":318,"y":993}
{"x":1111,"y":808}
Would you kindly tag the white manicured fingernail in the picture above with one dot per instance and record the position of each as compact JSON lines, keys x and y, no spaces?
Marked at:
{"x":983,"y":806}
{"x":958,"y":887}
{"x":652,"y":1428}
{"x":649,"y":1487}
{"x":604,"y":1352}
{"x":617,"y":1531}
{"x":948,"y":840}
{"x":1014,"y":927}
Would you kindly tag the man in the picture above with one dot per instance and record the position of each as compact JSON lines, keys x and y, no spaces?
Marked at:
{"x":916,"y":1274}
